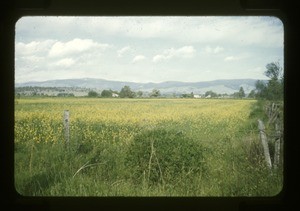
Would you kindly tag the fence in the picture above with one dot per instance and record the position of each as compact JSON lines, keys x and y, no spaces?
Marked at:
{"x":275,"y":134}
{"x":67,"y":126}
{"x":275,"y":138}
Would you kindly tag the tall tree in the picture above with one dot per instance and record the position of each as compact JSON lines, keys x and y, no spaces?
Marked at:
{"x":275,"y":86}
{"x":274,"y":71}
{"x":211,"y":93}
{"x":92,"y":94}
{"x":261,"y":89}
{"x":251,"y":94}
{"x":126,"y":92}
{"x":106,"y":93}
{"x":139,"y":94}
{"x":155,"y":93}
{"x":241,"y":92}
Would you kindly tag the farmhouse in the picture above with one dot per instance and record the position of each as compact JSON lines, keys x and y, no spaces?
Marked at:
{"x":115,"y":95}
{"x":197,"y":96}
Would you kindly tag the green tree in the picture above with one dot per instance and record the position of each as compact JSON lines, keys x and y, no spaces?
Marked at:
{"x":65,"y":95}
{"x":106,"y":93}
{"x":275,"y":85}
{"x":251,"y":94}
{"x":261,"y":89}
{"x":211,"y":93}
{"x":188,"y":95}
{"x":273,"y":90}
{"x":241,"y":92}
{"x":139,"y":94}
{"x":155,"y":93}
{"x":92,"y":94}
{"x":274,"y":71}
{"x":126,"y":92}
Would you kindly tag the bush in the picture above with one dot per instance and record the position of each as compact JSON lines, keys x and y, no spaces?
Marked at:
{"x":158,"y":156}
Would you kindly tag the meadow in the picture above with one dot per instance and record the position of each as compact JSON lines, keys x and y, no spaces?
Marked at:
{"x":140,"y":147}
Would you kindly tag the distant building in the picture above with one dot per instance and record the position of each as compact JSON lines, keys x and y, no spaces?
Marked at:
{"x":115,"y":95}
{"x":197,"y":96}
{"x":208,"y":96}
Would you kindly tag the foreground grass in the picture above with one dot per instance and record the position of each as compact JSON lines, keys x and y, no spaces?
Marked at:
{"x":146,"y":147}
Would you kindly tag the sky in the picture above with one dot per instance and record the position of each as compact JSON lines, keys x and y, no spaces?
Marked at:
{"x":146,"y":48}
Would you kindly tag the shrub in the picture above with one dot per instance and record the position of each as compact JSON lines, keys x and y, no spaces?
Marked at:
{"x":158,"y":156}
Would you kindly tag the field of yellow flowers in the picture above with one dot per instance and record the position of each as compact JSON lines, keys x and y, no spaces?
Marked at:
{"x":137,"y":147}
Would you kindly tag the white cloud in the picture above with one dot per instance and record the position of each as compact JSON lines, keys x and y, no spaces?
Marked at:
{"x":33,"y":59}
{"x":106,"y":47}
{"x":158,"y":58}
{"x":262,"y":31}
{"x":215,"y":50}
{"x":183,"y":52}
{"x":33,"y":48}
{"x":138,"y":58}
{"x":231,"y":58}
{"x":67,"y":62}
{"x":124,"y":50}
{"x":232,"y":30}
{"x":35,"y":51}
{"x":75,"y":46}
{"x":241,"y":56}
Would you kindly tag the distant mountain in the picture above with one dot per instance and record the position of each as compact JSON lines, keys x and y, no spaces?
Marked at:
{"x":169,"y":87}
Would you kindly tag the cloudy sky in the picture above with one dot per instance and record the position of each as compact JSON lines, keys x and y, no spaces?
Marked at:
{"x":146,"y":49}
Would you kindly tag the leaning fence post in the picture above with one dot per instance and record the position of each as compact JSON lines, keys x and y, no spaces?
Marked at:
{"x":67,"y":126}
{"x":264,"y":142}
{"x":277,"y":146}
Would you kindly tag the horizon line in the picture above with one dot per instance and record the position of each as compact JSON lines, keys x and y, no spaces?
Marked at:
{"x":87,"y":78}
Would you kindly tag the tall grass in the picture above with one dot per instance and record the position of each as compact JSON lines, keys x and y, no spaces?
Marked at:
{"x":156,"y":148}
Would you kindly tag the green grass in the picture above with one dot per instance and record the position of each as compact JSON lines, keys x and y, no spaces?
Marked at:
{"x":169,"y":158}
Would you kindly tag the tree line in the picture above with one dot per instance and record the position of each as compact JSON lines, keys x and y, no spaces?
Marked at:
{"x":272,"y":90}
{"x":125,"y":92}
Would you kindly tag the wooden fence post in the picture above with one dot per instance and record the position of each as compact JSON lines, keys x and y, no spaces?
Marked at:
{"x":277,"y":145}
{"x":67,"y":126}
{"x":264,"y":142}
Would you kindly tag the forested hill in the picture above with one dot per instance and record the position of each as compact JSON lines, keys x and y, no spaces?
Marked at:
{"x":219,"y":86}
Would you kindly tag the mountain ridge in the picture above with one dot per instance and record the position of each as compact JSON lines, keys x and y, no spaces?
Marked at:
{"x":222,"y":86}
